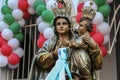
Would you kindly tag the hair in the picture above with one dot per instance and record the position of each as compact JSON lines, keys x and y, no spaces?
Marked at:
{"x":55,"y":20}
{"x":89,"y":24}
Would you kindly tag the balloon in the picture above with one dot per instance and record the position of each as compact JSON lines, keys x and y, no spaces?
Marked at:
{"x":99,"y":2}
{"x":6,"y":50}
{"x":13,"y":43}
{"x":104,"y":9}
{"x":104,"y":28}
{"x":15,"y":27}
{"x":8,"y":18}
{"x":79,"y":7}
{"x":7,"y":34}
{"x":47,"y":16}
{"x":40,"y":9}
{"x":21,"y":22}
{"x":50,"y":4}
{"x":17,"y":14}
{"x":42,"y":26}
{"x":98,"y":37}
{"x":5,"y":9}
{"x":48,"y":33}
{"x":13,"y":59}
{"x":3,"y":61}
{"x":31,"y":2}
{"x":19,"y":36}
{"x":3,"y":25}
{"x":93,"y":30}
{"x":104,"y":50}
{"x":87,"y":3}
{"x":37,"y":3}
{"x":23,"y":5}
{"x":19,"y":51}
{"x":31,"y":10}
{"x":41,"y":41}
{"x":13,"y":4}
{"x":106,"y":39}
{"x":13,"y":66}
{"x":2,"y":42}
{"x":98,"y":18}
{"x":78,"y":17}
{"x":26,"y":15}
{"x":1,"y":16}
{"x":39,"y":19}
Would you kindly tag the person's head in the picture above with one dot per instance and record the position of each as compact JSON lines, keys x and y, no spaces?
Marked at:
{"x":85,"y":25}
{"x":61,"y":25}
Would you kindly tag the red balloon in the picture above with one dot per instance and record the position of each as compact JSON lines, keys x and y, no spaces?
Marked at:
{"x":26,"y":15}
{"x":23,"y":5}
{"x":98,"y":37}
{"x":93,"y":30}
{"x":6,"y":50}
{"x":78,"y":17}
{"x":2,"y":42}
{"x":79,"y":7}
{"x":104,"y":50}
{"x":41,"y":41}
{"x":13,"y":59}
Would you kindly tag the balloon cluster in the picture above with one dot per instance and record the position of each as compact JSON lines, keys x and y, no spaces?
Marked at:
{"x":101,"y":28}
{"x":12,"y":17}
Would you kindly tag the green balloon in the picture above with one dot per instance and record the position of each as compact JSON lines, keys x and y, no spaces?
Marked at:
{"x":37,"y":3}
{"x":47,"y":15}
{"x":5,"y":10}
{"x":8,"y":18}
{"x":99,"y":2}
{"x":15,"y":27}
{"x":40,"y":9}
{"x":19,"y":36}
{"x":105,"y":9}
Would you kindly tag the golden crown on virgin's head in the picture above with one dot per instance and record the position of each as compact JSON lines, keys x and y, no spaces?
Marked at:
{"x":88,"y":11}
{"x":62,"y":9}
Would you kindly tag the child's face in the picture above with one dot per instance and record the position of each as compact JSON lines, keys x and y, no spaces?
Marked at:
{"x":82,"y":27}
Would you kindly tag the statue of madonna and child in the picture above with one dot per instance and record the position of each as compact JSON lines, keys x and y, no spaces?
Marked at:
{"x":68,"y":55}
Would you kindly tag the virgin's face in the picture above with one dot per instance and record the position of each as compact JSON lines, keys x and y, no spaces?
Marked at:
{"x":82,"y":27}
{"x":62,"y":26}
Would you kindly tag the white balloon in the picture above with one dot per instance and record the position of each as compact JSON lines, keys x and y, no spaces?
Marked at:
{"x":39,"y":19}
{"x":3,"y":25}
{"x":48,"y":33}
{"x":1,"y":16}
{"x":104,"y":28}
{"x":17,"y":14}
{"x":31,"y":10}
{"x":13,"y":4}
{"x":21,"y":22}
{"x":87,"y":3}
{"x":3,"y":61}
{"x":31,"y":2}
{"x":7,"y":34}
{"x":19,"y":51}
{"x":109,"y":1}
{"x":13,"y":66}
{"x":50,"y":4}
{"x":14,"y":43}
{"x":98,"y":19}
{"x":42,"y":26}
{"x":47,"y":1}
{"x":106,"y":39}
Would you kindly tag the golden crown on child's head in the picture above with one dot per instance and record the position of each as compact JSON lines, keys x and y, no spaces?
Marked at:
{"x":62,"y":9}
{"x":88,"y":11}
